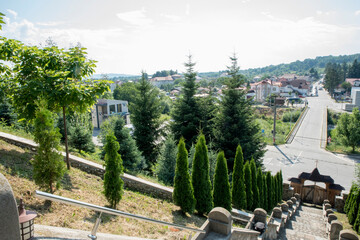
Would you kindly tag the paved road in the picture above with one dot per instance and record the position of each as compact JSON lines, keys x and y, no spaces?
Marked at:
{"x":304,"y":153}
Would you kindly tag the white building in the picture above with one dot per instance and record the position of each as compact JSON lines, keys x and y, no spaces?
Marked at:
{"x":105,"y":108}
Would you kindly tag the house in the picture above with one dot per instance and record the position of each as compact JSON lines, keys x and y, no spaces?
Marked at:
{"x":293,"y":87}
{"x":105,"y":108}
{"x":265,"y":88}
{"x":355,"y":82}
{"x":158,"y":81}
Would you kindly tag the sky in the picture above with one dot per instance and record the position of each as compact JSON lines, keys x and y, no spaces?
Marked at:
{"x":128,"y":37}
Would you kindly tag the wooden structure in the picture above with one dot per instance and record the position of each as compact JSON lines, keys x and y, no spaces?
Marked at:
{"x":313,"y":193}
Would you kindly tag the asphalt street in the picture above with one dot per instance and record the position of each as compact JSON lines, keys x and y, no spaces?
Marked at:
{"x":304,"y":153}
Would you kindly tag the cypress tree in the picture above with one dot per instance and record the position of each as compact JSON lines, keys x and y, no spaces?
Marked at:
{"x":354,"y":207}
{"x":273,"y":185}
{"x":80,"y":133}
{"x":357,"y":222}
{"x":259,"y":183}
{"x":281,"y":185}
{"x":186,"y":110}
{"x":265,"y":193}
{"x":269,"y":192}
{"x":113,"y":184}
{"x":276,"y":189}
{"x":238,"y":181}
{"x":347,"y":204}
{"x":235,"y":124}
{"x":48,"y":164}
{"x":165,"y":167}
{"x":248,"y":186}
{"x":200,"y":177}
{"x":183,"y":194}
{"x":222,"y":195}
{"x":255,"y":189}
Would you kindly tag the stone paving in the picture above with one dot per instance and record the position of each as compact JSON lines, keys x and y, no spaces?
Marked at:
{"x":306,"y":224}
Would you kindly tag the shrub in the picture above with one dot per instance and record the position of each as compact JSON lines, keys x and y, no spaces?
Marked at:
{"x":248,"y":186}
{"x":259,"y":183}
{"x":49,"y":167}
{"x":292,"y":116}
{"x":222,"y":195}
{"x":255,"y":189}
{"x":113,"y":184}
{"x":270,"y":192}
{"x":183,"y":194}
{"x":238,"y":181}
{"x":165,"y":166}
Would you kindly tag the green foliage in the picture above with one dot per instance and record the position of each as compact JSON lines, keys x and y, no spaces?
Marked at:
{"x":238,"y":181}
{"x":48,"y":164}
{"x":113,"y":184}
{"x":186,"y":109}
{"x":133,"y":161}
{"x":348,"y":200}
{"x":265,"y":192}
{"x":255,"y":189}
{"x":348,"y":129}
{"x":222,"y":195}
{"x":165,"y":167}
{"x":354,"y":70}
{"x":280,"y":186}
{"x":7,"y":113}
{"x":145,"y":116}
{"x":291,"y":116}
{"x":80,"y":132}
{"x":200,"y":177}
{"x":183,"y":194}
{"x":235,"y":124}
{"x":270,"y":192}
{"x":333,"y":77}
{"x":248,"y":186}
{"x":126,"y":92}
{"x":208,"y":108}
{"x":354,"y":206}
{"x":260,"y":185}
{"x":357,"y":221}
{"x":164,"y":73}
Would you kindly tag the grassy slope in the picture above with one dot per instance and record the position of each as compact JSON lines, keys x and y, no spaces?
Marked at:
{"x":14,"y":164}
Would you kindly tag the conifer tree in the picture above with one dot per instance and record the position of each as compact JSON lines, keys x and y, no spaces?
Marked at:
{"x":347,"y":205}
{"x":270,"y":191}
{"x":222,"y":195}
{"x":183,"y":194}
{"x":186,"y":109}
{"x":200,"y":177}
{"x":165,"y":167}
{"x":235,"y":124}
{"x":276,"y":189}
{"x":133,"y":161}
{"x":357,"y":221}
{"x":255,"y":189}
{"x":354,"y":207}
{"x":259,"y":182}
{"x":248,"y":186}
{"x":281,"y":185}
{"x":273,"y":186}
{"x":145,"y":116}
{"x":265,"y":193}
{"x":49,"y":167}
{"x":80,"y":133}
{"x":113,"y":184}
{"x":238,"y":181}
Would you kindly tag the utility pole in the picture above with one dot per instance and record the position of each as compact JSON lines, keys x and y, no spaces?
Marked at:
{"x":274,"y":132}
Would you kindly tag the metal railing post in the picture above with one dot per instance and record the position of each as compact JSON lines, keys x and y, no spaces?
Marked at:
{"x":93,"y":231}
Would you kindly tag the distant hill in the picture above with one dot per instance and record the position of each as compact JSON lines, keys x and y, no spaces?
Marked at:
{"x":297,"y":67}
{"x":113,"y":76}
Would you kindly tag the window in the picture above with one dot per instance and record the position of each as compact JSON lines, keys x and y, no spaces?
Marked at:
{"x":112,"y":109}
{"x":119,"y":110}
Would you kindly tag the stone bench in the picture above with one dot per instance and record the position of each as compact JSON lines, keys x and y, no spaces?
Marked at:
{"x":258,"y":216}
{"x":333,"y":231}
{"x":285,"y":212}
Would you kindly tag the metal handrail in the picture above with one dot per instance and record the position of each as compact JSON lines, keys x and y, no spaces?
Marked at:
{"x":49,"y":196}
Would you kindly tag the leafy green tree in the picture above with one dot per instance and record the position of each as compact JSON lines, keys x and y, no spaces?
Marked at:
{"x":186,"y":110}
{"x":113,"y":184}
{"x":235,"y":124}
{"x":332,"y":77}
{"x":80,"y":133}
{"x":200,"y":177}
{"x":165,"y":166}
{"x":347,"y":86}
{"x":270,"y":192}
{"x":126,"y":92}
{"x":238,"y":181}
{"x":255,"y":189}
{"x":314,"y":73}
{"x":183,"y":194}
{"x":222,"y":195}
{"x":260,"y":185}
{"x":248,"y":186}
{"x":354,"y":70}
{"x":58,"y":75}
{"x":48,"y":164}
{"x":145,"y":116}
{"x":133,"y":161}
{"x":348,"y":129}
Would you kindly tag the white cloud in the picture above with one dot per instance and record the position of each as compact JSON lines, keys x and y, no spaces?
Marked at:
{"x":50,"y":24}
{"x":137,"y":18}
{"x":171,"y":17}
{"x":357,"y":13}
{"x":328,"y":13}
{"x":187,"y":11}
{"x":12,"y":12}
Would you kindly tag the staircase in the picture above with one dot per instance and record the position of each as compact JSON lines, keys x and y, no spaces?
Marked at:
{"x":306,"y":224}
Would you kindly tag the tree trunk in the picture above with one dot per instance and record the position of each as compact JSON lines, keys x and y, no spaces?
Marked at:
{"x":66,"y":140}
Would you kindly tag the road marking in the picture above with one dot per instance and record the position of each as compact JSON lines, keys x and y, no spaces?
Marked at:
{"x":297,"y":159}
{"x":267,"y":160}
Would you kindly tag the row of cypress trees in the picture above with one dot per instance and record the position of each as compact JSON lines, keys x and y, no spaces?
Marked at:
{"x":352,"y":208}
{"x":250,"y":187}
